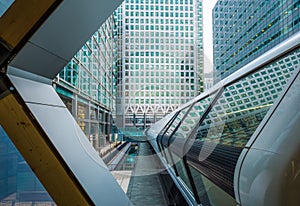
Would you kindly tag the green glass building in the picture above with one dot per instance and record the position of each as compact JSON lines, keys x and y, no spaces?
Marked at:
{"x":87,"y":85}
{"x":244,"y":30}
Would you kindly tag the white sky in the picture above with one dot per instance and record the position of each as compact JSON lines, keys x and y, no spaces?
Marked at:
{"x":207,"y":34}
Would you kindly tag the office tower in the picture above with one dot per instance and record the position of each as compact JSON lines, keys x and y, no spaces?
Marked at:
{"x":160,"y":64}
{"x":86,"y":85}
{"x":244,"y":30}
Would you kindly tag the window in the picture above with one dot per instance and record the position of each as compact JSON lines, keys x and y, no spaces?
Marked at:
{"x":231,"y":122}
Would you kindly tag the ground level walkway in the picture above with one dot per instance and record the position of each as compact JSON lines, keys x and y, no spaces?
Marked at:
{"x":148,"y":183}
{"x":145,"y":185}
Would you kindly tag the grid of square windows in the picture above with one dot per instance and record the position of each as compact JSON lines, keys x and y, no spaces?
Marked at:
{"x":161,"y":51}
{"x":91,"y":70}
{"x":243,"y":30}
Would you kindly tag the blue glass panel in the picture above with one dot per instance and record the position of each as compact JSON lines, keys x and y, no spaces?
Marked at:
{"x":18,"y":184}
{"x":4,"y":5}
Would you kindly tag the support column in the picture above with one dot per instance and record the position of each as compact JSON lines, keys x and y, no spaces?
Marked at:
{"x":74,"y":106}
{"x":53,"y":144}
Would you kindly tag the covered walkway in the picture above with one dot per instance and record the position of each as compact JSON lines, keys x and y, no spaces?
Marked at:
{"x":150,"y":184}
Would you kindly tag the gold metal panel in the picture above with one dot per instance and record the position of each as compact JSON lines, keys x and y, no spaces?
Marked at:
{"x":21,"y":17}
{"x":39,"y":154}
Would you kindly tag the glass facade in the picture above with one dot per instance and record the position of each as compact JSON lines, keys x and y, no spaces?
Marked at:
{"x":18,"y":184}
{"x":4,"y":5}
{"x":87,"y":85}
{"x":160,"y":58}
{"x":244,"y":30}
{"x":202,"y":142}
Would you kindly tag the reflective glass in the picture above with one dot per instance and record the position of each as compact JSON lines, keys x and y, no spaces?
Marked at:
{"x":176,"y":122}
{"x":4,"y":5}
{"x":243,"y":104}
{"x":168,"y":157}
{"x":234,"y":118}
{"x":192,"y":118}
{"x":18,"y":184}
{"x":181,"y":170}
{"x":184,"y":130}
{"x":208,"y":192}
{"x":250,"y":42}
{"x":168,"y":133}
{"x":159,"y":137}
